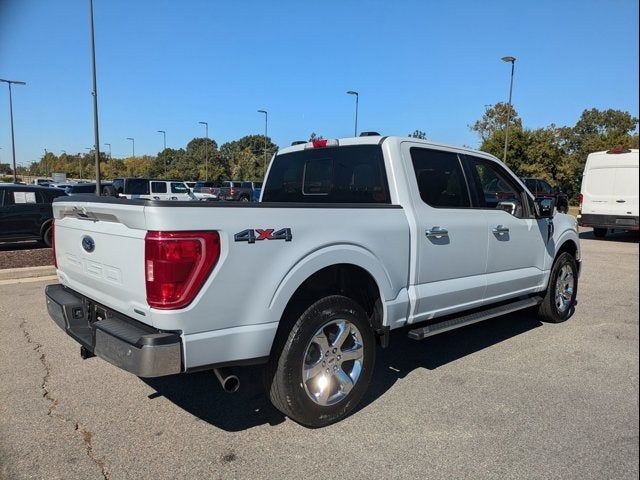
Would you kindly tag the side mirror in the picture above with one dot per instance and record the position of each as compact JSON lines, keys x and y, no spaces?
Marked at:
{"x":545,"y":207}
{"x":508,"y":206}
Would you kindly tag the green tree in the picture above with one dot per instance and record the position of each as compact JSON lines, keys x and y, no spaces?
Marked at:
{"x":494,"y":119}
{"x":418,"y":134}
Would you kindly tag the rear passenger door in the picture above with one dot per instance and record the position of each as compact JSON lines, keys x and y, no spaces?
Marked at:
{"x":449,"y":238}
{"x":159,"y":191}
{"x":516,"y":239}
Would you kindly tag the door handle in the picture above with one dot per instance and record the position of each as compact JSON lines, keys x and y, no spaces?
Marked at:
{"x":621,"y":201}
{"x":437,"y":232}
{"x":500,"y":230}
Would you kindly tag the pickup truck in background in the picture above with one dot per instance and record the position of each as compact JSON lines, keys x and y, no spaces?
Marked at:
{"x":353,"y":238}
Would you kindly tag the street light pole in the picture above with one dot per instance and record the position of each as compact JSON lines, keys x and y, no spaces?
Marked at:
{"x":133,"y":146}
{"x":95,"y":103}
{"x":511,"y":60}
{"x":164,"y":142}
{"x":206,"y":157}
{"x":353,"y":92}
{"x":266,"y":129}
{"x":13,"y":142}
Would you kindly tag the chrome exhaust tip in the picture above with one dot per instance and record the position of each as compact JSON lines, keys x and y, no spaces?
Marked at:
{"x":229,"y":382}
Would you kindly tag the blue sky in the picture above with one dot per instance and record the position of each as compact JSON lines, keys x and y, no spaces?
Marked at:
{"x":167,"y":64}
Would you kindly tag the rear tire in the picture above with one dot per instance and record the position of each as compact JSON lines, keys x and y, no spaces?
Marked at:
{"x":47,"y":236}
{"x":326,"y":364}
{"x":560,"y":298}
{"x":600,"y":232}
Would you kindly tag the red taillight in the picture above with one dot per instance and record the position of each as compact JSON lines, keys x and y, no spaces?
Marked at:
{"x":580,"y":199}
{"x":232,"y":192}
{"x":320,"y":143}
{"x":210,"y":189}
{"x":176,"y":266}
{"x":53,"y":243}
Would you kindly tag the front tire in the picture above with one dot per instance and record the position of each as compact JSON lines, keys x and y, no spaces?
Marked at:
{"x":326,"y":363}
{"x":560,"y":299}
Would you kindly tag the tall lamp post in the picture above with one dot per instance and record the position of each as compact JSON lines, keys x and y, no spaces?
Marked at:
{"x":353,"y":92}
{"x":13,"y":142}
{"x":164,"y":143}
{"x":206,"y":157}
{"x":266,"y":129}
{"x":96,"y":144}
{"x":133,"y":146}
{"x":512,"y":61}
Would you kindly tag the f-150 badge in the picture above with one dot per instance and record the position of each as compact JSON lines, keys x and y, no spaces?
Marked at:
{"x":253,"y":235}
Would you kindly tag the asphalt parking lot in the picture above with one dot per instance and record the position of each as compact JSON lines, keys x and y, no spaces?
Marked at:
{"x":510,"y":398}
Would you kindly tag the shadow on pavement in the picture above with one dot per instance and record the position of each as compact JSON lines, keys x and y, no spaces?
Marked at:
{"x":617,"y":236}
{"x":13,"y":246}
{"x":201,"y":395}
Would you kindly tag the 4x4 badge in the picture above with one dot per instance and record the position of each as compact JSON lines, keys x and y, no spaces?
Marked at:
{"x":252,"y":235}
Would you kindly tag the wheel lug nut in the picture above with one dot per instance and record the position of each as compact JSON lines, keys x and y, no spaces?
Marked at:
{"x":335,"y":350}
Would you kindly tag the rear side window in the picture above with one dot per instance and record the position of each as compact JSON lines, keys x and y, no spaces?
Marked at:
{"x":246,"y":184}
{"x":440,"y":179}
{"x":353,"y":174}
{"x":137,"y":186}
{"x":257,"y":184}
{"x":158,"y":187}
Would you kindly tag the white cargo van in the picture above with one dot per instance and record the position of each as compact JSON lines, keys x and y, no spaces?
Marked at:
{"x":609,"y":193}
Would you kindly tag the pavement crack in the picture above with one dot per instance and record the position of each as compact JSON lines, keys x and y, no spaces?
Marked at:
{"x":44,"y":385}
{"x":87,"y":437}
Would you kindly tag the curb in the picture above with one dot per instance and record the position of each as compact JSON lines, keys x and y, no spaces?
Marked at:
{"x":27,"y":272}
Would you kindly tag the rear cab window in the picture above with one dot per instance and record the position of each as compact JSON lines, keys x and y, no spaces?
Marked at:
{"x":349,"y":174}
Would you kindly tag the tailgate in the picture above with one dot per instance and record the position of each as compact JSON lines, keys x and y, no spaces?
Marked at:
{"x":100,"y":252}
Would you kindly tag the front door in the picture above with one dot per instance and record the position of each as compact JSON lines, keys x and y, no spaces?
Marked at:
{"x":516,"y":239}
{"x":449,"y":240}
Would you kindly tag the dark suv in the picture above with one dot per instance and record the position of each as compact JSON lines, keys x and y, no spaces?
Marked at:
{"x":25,"y":212}
{"x":238,"y":191}
{"x":541,"y":189}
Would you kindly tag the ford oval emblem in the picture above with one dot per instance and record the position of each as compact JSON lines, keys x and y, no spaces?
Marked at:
{"x":88,"y":244}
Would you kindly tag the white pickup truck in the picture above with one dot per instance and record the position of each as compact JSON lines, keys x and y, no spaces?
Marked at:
{"x":352,"y":238}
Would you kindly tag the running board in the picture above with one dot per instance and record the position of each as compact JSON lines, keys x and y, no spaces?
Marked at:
{"x":435,"y":328}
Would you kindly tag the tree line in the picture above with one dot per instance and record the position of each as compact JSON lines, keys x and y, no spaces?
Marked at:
{"x":242,"y":159}
{"x":555,"y":153}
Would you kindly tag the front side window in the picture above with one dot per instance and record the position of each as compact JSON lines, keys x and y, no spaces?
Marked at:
{"x":441,"y":182}
{"x":544,"y":187}
{"x":158,"y":187}
{"x":494,"y":188}
{"x":351,"y":174}
{"x":179,"y":187}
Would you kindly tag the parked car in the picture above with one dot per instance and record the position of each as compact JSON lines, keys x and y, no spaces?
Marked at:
{"x":609,"y":192}
{"x":84,"y":188}
{"x":353,"y":238}
{"x":151,"y":189}
{"x":256,"y":190}
{"x":207,"y":190}
{"x":43,"y":182}
{"x":236,"y":191}
{"x":542,"y":189}
{"x":25,"y":212}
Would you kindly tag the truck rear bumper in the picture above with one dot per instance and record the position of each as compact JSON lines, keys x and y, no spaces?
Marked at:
{"x":621,"y":222}
{"x":121,"y":341}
